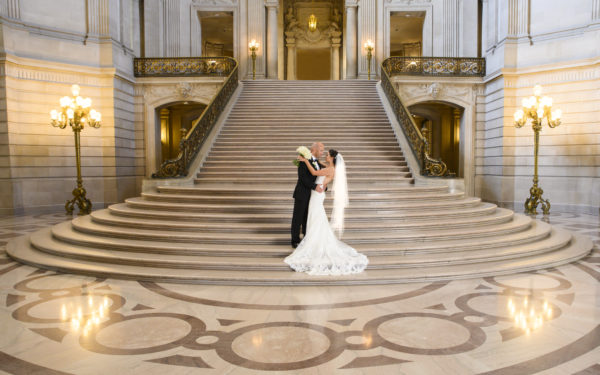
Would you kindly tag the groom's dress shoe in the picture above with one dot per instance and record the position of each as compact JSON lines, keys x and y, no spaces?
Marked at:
{"x":294,"y":245}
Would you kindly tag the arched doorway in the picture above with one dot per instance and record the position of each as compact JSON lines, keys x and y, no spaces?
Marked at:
{"x":173,"y":121}
{"x":313,"y":35}
{"x":441,"y":123}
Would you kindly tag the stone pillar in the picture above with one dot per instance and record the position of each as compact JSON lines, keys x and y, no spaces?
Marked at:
{"x":335,"y":54}
{"x":291,"y":55}
{"x":595,"y":11}
{"x":351,"y":51}
{"x":451,"y":23}
{"x":271,"y":38}
{"x":13,"y":9}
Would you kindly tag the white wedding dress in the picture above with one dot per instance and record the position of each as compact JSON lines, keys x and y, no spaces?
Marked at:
{"x":320,"y":252}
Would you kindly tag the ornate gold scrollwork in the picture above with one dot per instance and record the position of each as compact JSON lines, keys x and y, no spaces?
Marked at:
{"x":435,"y":66}
{"x":429,"y":166}
{"x":193,"y":140}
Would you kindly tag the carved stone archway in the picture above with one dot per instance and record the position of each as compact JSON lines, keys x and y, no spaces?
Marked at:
{"x":328,"y":33}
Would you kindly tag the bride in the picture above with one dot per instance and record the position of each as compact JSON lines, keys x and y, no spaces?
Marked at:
{"x":320,"y":252}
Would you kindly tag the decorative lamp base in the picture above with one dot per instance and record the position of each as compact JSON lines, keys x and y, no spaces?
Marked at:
{"x":535,"y":199}
{"x":79,"y":198}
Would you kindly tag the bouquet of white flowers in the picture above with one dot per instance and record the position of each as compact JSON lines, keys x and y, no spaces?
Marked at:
{"x":304,"y":152}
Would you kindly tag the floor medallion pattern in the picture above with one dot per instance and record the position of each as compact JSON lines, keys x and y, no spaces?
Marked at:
{"x":541,"y":322}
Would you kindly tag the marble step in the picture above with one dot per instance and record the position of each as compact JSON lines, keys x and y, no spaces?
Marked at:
{"x":284,"y":167}
{"x":45,"y":242}
{"x":85,"y":224}
{"x":397,"y":208}
{"x":292,"y":174}
{"x":258,"y":189}
{"x":105,"y":217}
{"x":122,"y":209}
{"x":22,"y":250}
{"x":273,"y":199}
{"x":407,"y":180}
{"x":537,"y":231}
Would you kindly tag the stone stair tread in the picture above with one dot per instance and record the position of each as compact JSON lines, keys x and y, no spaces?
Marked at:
{"x":105,"y":217}
{"x":43,"y":241}
{"x":275,"y":189}
{"x":64,"y":231}
{"x":578,"y":248}
{"x":85,"y":224}
{"x":125,"y":210}
{"x":184,"y":206}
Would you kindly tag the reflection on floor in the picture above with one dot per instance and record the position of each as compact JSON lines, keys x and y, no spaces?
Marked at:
{"x":543,"y":322}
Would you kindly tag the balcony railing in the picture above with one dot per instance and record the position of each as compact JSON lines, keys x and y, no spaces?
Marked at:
{"x":183,"y":66}
{"x":429,"y":166}
{"x":191,"y":143}
{"x":435,"y":66}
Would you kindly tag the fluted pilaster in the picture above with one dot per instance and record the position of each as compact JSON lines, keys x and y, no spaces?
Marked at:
{"x":171,"y":23}
{"x":595,"y":11}
{"x":518,"y":17}
{"x":368,"y":31}
{"x":351,"y":51}
{"x":256,"y":31}
{"x":451,"y":24}
{"x":98,"y":14}
{"x":272,"y":6}
{"x":12,"y":9}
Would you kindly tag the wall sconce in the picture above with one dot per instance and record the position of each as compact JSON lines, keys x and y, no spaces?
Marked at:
{"x":253,"y":46}
{"x":369,"y":46}
{"x":312,"y":22}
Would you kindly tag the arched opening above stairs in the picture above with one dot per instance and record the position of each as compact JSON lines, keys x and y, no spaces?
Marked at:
{"x":443,"y":123}
{"x":172,"y":121}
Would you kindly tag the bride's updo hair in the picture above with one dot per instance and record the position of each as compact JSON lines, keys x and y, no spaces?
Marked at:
{"x":333,"y":153}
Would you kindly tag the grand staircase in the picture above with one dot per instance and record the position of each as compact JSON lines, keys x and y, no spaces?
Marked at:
{"x":232,"y":226}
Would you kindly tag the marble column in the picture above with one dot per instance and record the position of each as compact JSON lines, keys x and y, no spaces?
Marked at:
{"x":351,"y":42}
{"x":335,"y":55}
{"x":291,"y":55}
{"x":595,"y":11}
{"x":13,"y":9}
{"x":271,"y":38}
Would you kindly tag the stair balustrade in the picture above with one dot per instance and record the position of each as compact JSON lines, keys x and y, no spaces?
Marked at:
{"x":193,"y":140}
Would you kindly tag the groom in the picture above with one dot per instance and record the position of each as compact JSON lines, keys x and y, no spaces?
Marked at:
{"x":306,"y":183}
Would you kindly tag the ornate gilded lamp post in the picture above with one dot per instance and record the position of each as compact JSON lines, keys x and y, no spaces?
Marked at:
{"x":76,"y":112}
{"x":369,"y":46}
{"x":253,"y":45}
{"x":537,"y":108}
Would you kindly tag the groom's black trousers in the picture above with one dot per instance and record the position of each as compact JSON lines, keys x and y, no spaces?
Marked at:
{"x":299,"y":218}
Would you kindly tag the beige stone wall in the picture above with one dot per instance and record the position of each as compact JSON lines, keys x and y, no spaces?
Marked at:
{"x":528,"y":44}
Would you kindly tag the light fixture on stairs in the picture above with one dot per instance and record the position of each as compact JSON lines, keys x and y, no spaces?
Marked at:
{"x":369,"y":46}
{"x":537,"y":108}
{"x":253,"y":46}
{"x":76,"y":112}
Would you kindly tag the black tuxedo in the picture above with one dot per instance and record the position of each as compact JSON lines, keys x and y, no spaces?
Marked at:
{"x":306,"y":183}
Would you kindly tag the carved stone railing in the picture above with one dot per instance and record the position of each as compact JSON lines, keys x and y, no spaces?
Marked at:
{"x":429,"y":166}
{"x":183,"y":66}
{"x":435,"y":66}
{"x":190,"y":144}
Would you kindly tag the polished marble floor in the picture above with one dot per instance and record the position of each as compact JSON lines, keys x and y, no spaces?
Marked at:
{"x":545,"y":322}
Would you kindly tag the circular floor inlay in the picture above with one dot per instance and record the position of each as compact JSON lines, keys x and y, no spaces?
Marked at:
{"x":52,"y":282}
{"x":423,"y":332}
{"x":528,"y":281}
{"x":143,"y":332}
{"x":68,"y":307}
{"x":494,"y":305}
{"x":280,"y":344}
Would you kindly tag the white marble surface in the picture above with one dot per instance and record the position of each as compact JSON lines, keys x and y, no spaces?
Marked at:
{"x":458,"y":327}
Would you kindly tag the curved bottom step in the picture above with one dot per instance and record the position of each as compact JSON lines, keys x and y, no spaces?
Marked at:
{"x":21,"y":250}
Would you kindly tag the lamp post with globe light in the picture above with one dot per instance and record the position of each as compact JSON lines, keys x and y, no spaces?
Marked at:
{"x":536,"y":108}
{"x":76,"y":112}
